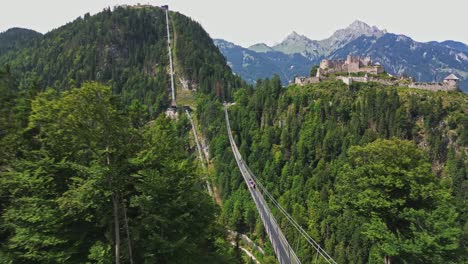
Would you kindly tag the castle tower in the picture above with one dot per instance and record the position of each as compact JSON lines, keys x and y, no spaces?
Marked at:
{"x":366,"y":61}
{"x":349,"y":59}
{"x":452,"y":80}
{"x":319,"y":73}
{"x":325,"y":64}
{"x":352,"y":63}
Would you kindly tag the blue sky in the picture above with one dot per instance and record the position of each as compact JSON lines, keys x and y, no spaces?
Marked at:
{"x":247,"y":22}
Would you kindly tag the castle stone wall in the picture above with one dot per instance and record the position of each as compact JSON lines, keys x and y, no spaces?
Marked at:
{"x":372,"y":69}
{"x":351,"y":64}
{"x":306,"y":80}
{"x":441,"y":86}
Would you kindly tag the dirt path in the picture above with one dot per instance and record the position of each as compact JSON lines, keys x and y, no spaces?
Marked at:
{"x":216,"y":195}
{"x":246,"y":252}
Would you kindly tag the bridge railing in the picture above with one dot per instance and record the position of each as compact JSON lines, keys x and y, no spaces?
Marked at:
{"x":282,"y":248}
{"x":284,"y":252}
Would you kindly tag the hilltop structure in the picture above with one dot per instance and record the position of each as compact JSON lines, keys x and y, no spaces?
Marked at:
{"x":300,"y":80}
{"x":137,"y":6}
{"x":341,"y":70}
{"x":452,"y":80}
{"x":352,"y":64}
{"x":450,"y":83}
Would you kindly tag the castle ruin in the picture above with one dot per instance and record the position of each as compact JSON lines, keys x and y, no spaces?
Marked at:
{"x":306,"y":80}
{"x":352,"y":64}
{"x":450,"y":83}
{"x":341,"y":69}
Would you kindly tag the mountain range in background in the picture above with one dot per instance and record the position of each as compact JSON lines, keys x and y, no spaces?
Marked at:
{"x":399,"y":54}
{"x":296,"y":54}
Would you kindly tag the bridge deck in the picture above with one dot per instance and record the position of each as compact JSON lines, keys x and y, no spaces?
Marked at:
{"x":283,"y":250}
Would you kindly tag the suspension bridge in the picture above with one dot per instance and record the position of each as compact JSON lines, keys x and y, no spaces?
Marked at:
{"x":283,"y":250}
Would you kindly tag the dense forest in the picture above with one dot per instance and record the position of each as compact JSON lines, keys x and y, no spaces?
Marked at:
{"x":125,"y":48}
{"x":372,"y":172}
{"x":91,"y":169}
{"x":84,"y":173}
{"x":16,"y":38}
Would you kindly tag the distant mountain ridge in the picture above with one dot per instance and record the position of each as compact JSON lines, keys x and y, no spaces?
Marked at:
{"x":313,"y":49}
{"x":399,"y":54}
{"x":341,"y":37}
{"x":260,"y":47}
{"x":452,"y":44}
{"x":295,"y":43}
{"x":253,"y":65}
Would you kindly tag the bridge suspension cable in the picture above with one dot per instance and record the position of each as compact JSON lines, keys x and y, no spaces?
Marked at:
{"x":283,"y":251}
{"x":291,"y":220}
{"x":200,"y":154}
{"x":173,"y":95}
{"x":320,"y":251}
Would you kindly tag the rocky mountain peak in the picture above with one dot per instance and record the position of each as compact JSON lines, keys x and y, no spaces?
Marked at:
{"x":296,"y":43}
{"x":223,"y":44}
{"x":341,"y":37}
{"x":359,"y":25}
{"x":260,"y":47}
{"x":294,"y":36}
{"x":363,"y":28}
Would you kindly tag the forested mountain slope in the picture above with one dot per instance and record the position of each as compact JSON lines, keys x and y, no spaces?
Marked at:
{"x":126,"y":48}
{"x":371,"y":172}
{"x":90,"y":170}
{"x":16,"y":38}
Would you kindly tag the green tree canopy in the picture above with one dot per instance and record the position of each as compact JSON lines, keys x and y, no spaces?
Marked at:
{"x":408,"y":214}
{"x":313,"y":70}
{"x":98,"y":184}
